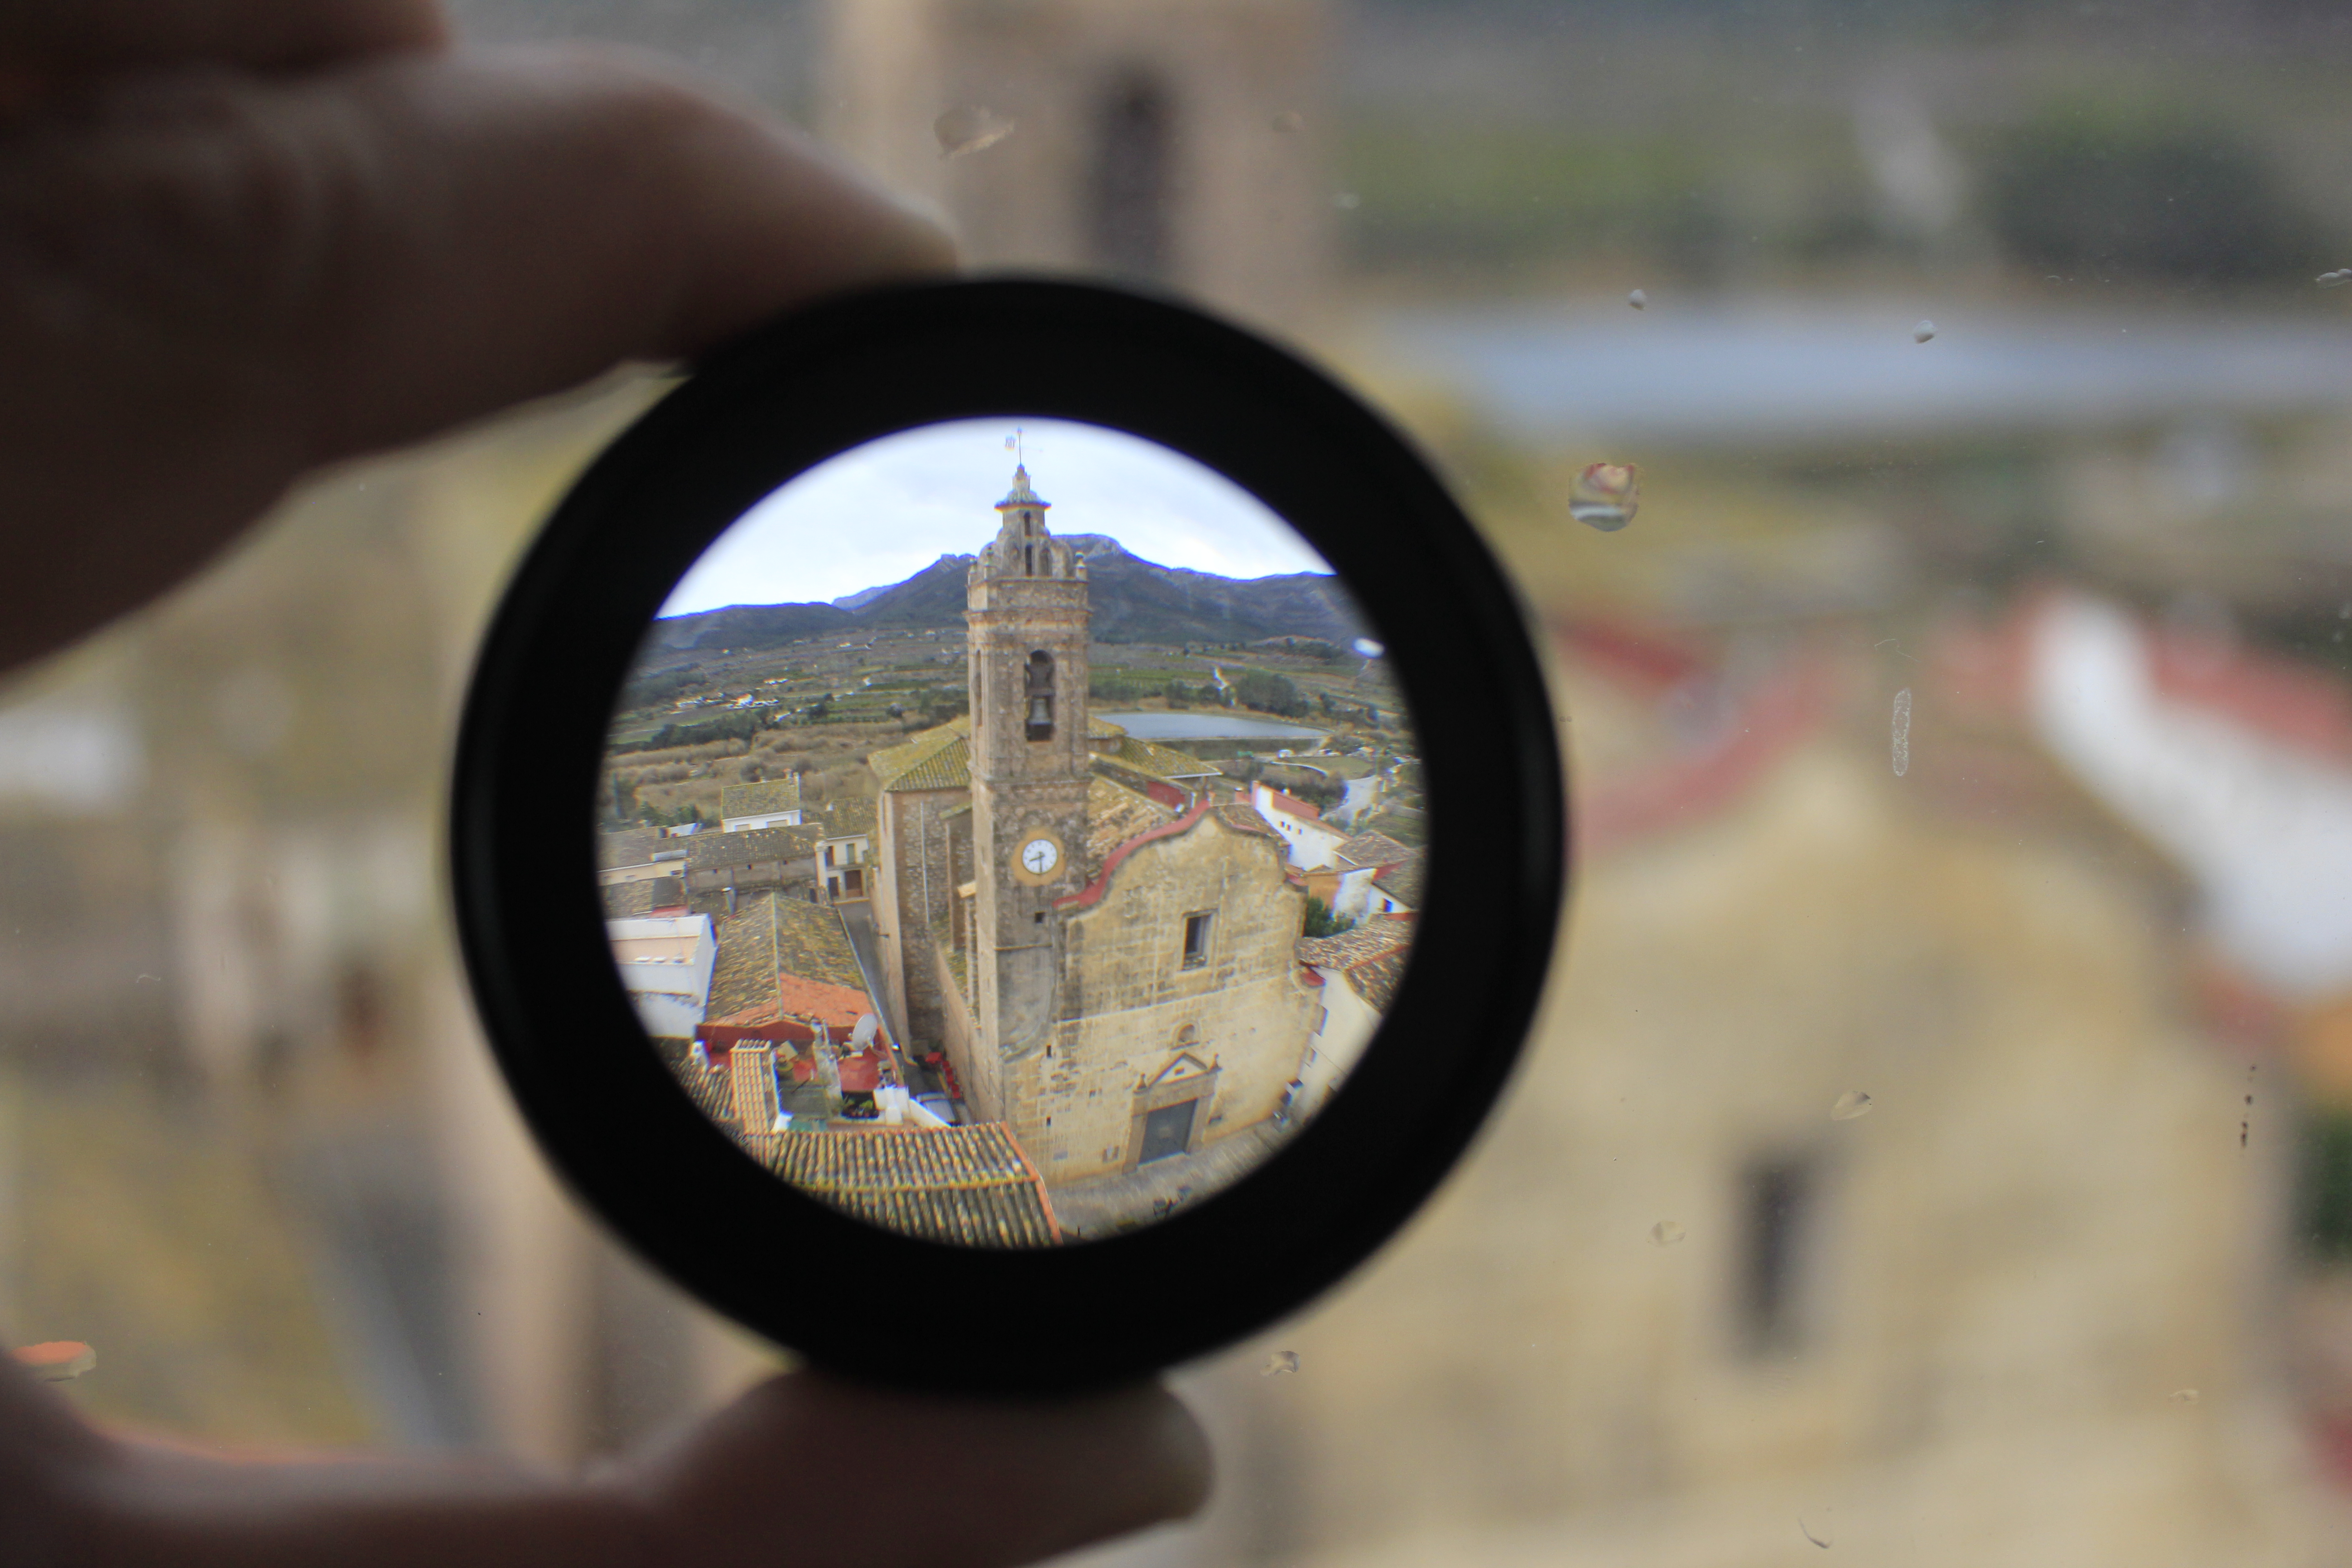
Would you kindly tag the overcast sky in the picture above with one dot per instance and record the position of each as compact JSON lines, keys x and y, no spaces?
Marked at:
{"x":879,"y":513}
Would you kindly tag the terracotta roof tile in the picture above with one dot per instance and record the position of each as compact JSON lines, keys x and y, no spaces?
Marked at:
{"x":1246,"y":819}
{"x":1365,"y":941}
{"x":758,"y":799}
{"x":1374,"y":849}
{"x":1404,"y":882}
{"x":1291,"y":804}
{"x":1375,"y":979}
{"x":707,"y":850}
{"x":969,"y":1186}
{"x":939,"y":758}
{"x":644,"y":897}
{"x":845,"y":819}
{"x":627,"y":847}
{"x":743,"y":977}
{"x":811,"y":944}
{"x":891,"y":760}
{"x":1116,"y":813}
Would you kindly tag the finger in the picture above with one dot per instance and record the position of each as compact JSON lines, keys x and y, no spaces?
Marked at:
{"x":51,"y":39}
{"x":210,"y":288}
{"x":986,"y":1485}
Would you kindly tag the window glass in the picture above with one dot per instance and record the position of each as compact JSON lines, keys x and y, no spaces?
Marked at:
{"x":1919,"y":432}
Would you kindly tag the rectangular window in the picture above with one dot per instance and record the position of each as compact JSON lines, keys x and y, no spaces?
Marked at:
{"x":1779,"y":1202}
{"x":1196,"y":940}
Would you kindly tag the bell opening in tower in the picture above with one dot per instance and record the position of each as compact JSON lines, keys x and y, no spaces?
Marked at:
{"x":1089,"y":800}
{"x":1039,"y":690}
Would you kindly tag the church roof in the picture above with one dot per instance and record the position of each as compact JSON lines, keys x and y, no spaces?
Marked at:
{"x":1116,"y":813}
{"x":757,"y":799}
{"x":1243,"y":818}
{"x":1021,"y":494}
{"x":938,"y":758}
{"x":1161,"y":762}
{"x":969,"y":1186}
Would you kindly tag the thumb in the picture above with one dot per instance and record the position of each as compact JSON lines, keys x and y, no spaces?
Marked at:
{"x":878,"y":1480}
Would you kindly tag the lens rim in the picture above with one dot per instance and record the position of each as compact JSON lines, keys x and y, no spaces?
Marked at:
{"x":624,"y":1134}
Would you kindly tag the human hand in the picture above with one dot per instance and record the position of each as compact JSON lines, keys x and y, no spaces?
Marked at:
{"x":801,"y":1470}
{"x":241,"y":238}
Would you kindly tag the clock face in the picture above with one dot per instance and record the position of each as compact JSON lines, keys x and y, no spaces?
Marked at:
{"x":1039,"y":856}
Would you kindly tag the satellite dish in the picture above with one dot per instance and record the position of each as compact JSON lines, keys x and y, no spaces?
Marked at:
{"x":863,"y":1035}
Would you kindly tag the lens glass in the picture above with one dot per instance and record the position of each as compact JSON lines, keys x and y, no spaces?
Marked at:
{"x":1009,"y":832}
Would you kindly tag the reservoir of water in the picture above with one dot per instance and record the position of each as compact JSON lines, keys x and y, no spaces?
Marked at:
{"x":1216,"y":726}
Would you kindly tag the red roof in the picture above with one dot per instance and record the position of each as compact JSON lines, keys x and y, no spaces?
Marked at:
{"x":1291,"y":806}
{"x":861,"y":1073}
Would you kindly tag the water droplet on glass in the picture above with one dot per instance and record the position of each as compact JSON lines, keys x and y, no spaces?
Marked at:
{"x":1346,"y":200}
{"x":1849,"y":1104}
{"x":2184,"y":1396}
{"x":1290,"y":123}
{"x":1902,"y":733}
{"x":2333,"y":280}
{"x":1606,"y":495}
{"x":1666,"y":1233}
{"x":1924,"y":330}
{"x":1638,"y":300}
{"x":1369,"y":648}
{"x":968,"y":128}
{"x":1279,"y":1362}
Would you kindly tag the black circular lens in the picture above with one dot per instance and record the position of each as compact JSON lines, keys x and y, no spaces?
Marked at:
{"x":997,"y":795}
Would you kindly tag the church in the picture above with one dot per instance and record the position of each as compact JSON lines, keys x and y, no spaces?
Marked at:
{"x":1097,"y":933}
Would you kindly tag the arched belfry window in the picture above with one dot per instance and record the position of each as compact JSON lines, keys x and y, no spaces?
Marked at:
{"x":1038,"y":690}
{"x":1133,"y":161}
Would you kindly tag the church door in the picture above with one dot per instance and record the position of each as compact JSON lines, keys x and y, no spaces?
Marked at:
{"x":1167,"y":1131}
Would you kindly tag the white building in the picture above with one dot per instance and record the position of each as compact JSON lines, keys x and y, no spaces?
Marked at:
{"x":665,"y":961}
{"x":774,"y":803}
{"x":1314,"y":843}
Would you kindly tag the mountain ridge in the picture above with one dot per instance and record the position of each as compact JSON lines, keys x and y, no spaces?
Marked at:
{"x":1133,"y":601}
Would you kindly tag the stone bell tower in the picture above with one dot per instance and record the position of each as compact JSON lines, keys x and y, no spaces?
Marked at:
{"x":1026,"y":618}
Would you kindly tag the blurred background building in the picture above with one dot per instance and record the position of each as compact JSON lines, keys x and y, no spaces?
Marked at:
{"x":2073,"y":1288}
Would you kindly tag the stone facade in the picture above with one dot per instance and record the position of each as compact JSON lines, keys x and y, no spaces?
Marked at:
{"x":916,"y":876}
{"x":1180,"y":140}
{"x":1112,"y":975}
{"x":1139,"y":1016}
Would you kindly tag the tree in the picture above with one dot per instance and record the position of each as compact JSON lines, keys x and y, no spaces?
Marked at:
{"x":1322,"y":921}
{"x":1269,"y":693}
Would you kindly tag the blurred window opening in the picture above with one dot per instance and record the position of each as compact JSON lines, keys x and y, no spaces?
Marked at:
{"x":1780,"y":1197}
{"x":1130,"y":184}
